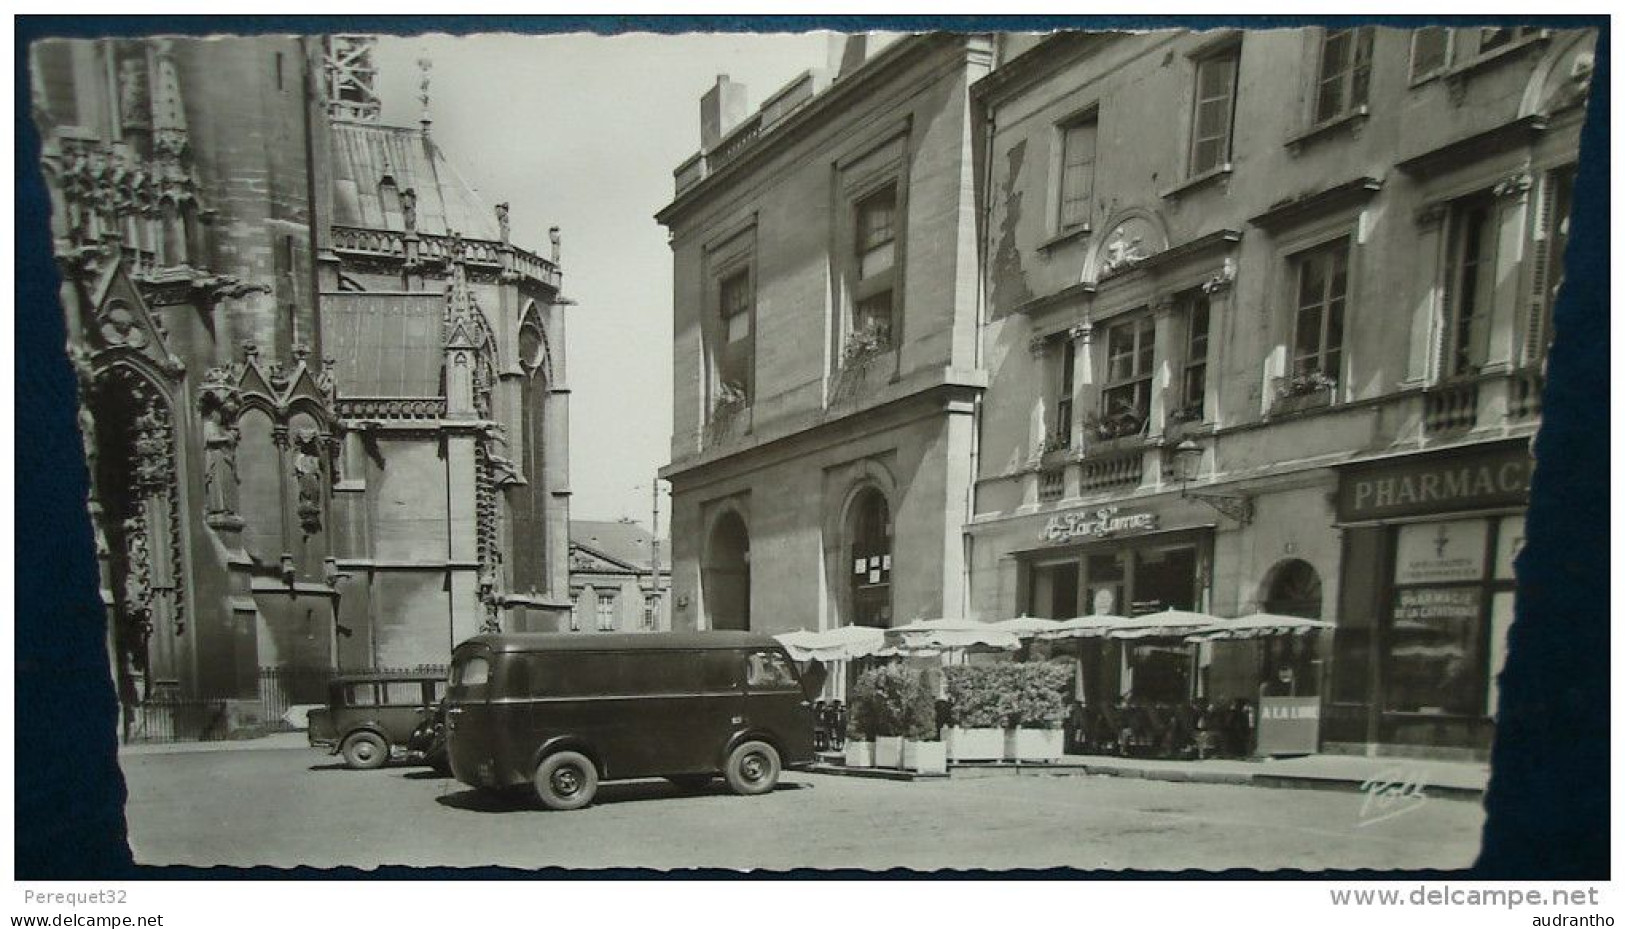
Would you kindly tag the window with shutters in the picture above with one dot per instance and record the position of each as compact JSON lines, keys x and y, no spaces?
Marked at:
{"x":1061,"y":429}
{"x":1469,"y":283}
{"x":1125,"y":397}
{"x":1077,"y":180}
{"x":1552,"y":240}
{"x":1430,"y":52}
{"x":1214,"y":110}
{"x":606,"y":612}
{"x":1344,"y":83}
{"x":1193,"y":382}
{"x":1322,"y":285}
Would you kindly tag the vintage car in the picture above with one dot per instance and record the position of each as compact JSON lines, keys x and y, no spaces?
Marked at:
{"x":372,"y":718}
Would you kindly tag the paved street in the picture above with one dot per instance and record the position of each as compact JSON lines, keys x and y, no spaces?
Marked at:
{"x":296,"y":806}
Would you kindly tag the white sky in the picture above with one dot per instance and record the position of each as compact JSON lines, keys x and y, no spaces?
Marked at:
{"x":583,"y":132}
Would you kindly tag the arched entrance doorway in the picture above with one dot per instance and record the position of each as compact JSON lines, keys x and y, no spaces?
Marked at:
{"x":727,"y":574}
{"x":1292,"y":588}
{"x":870,"y":554}
{"x":138,"y":515}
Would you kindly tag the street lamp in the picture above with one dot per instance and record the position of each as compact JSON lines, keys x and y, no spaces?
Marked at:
{"x":1187,"y":464}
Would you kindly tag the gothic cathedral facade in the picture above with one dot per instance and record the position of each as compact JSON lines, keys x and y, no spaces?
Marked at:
{"x":322,"y":391}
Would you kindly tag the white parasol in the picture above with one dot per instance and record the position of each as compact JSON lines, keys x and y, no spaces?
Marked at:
{"x":1084,"y":627}
{"x":1169,"y":623}
{"x":839,"y":644}
{"x":1258,"y":625}
{"x":951,"y":633}
{"x":1026,"y":627}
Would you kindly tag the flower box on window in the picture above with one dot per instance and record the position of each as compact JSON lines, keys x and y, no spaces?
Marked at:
{"x":1186,"y":414}
{"x":866,"y":342}
{"x":1119,"y":425}
{"x":1305,"y":391}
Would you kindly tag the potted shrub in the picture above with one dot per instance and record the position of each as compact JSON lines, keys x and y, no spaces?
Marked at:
{"x":885,"y":691}
{"x":976,"y":711}
{"x":1036,"y":706}
{"x":923,"y":750}
{"x":860,"y":744}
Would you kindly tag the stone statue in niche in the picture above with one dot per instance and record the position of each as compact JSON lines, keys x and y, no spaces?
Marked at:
{"x":409,"y":209}
{"x":219,"y":407}
{"x":307,"y":473}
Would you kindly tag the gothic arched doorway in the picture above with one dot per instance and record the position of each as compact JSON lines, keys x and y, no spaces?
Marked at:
{"x":137,"y":512}
{"x":726,"y":577}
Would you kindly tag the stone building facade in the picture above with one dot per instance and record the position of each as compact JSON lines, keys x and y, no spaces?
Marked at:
{"x":618,"y":581}
{"x":1278,"y":348}
{"x":1226,"y":321}
{"x":322,"y":391}
{"x":825,"y":375}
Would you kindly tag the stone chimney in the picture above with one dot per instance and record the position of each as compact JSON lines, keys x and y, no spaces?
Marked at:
{"x":847,"y":53}
{"x":721,"y":109}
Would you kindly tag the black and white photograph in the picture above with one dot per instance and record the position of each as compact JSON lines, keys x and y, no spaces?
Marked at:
{"x":1073,"y":448}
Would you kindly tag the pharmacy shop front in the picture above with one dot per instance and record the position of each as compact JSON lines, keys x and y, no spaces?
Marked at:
{"x":1428,"y":547}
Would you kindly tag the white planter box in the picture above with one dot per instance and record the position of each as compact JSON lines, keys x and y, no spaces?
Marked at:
{"x":925,"y":757}
{"x":860,"y":754}
{"x":888,"y":751}
{"x":1035,"y":745}
{"x":975,"y":744}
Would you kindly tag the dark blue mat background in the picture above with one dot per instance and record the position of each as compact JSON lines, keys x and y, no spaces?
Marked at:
{"x":1548,"y":799}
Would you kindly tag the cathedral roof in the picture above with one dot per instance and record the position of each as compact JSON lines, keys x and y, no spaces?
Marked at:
{"x":365,"y":153}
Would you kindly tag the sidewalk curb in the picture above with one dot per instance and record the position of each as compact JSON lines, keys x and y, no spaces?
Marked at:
{"x":1269,"y":779}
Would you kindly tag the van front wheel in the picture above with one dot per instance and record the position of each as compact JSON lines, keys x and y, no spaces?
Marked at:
{"x":566,"y":781}
{"x":753,"y":768}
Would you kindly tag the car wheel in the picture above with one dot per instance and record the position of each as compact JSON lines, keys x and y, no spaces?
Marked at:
{"x":753,"y":768}
{"x":365,"y":751}
{"x":691,"y":782}
{"x":566,"y":781}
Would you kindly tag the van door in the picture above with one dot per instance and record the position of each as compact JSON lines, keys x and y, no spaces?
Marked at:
{"x":471,"y":731}
{"x":678,"y":710}
{"x":775,"y":703}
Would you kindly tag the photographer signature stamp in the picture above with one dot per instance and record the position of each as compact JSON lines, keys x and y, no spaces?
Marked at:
{"x":1391,"y":793}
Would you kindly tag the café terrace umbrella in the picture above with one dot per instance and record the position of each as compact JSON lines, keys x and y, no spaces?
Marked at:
{"x":840,"y":644}
{"x":950,"y":633}
{"x":1026,"y":627}
{"x":1084,"y":627}
{"x":1169,"y":623}
{"x":1256,"y":626}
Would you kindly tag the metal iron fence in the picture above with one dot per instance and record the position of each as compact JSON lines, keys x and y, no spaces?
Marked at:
{"x":170,"y":717}
{"x":282,"y":688}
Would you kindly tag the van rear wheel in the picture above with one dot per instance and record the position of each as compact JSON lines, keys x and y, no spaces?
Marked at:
{"x":365,"y":751}
{"x":566,"y":781}
{"x":753,"y":768}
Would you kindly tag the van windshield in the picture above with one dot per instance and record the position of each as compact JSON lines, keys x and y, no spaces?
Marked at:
{"x":769,"y":671}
